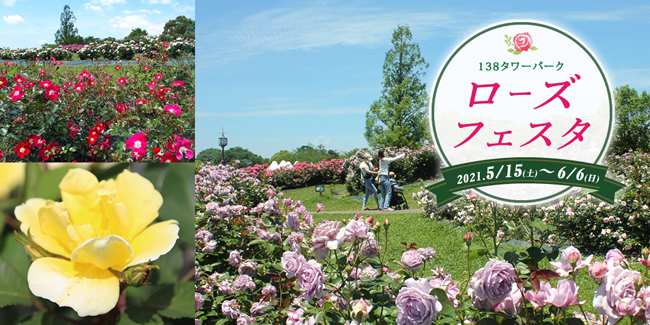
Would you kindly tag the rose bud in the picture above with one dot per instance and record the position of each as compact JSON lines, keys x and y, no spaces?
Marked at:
{"x":597,"y":270}
{"x":645,"y":252}
{"x":369,"y":220}
{"x":469,"y":237}
{"x":386,"y":223}
{"x":137,"y":275}
{"x":360,"y":310}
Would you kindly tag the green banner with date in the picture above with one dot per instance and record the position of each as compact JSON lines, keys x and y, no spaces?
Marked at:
{"x":524,"y":170}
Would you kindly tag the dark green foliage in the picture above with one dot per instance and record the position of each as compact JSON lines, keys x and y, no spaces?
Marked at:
{"x":181,"y":26}
{"x":67,"y":33}
{"x":397,"y":118}
{"x":245,"y":157}
{"x":136,"y":34}
{"x":308,"y":153}
{"x":632,"y":121}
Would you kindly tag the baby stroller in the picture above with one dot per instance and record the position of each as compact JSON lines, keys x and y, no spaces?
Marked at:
{"x":397,"y":199}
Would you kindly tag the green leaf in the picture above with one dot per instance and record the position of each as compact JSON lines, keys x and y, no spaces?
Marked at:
{"x":139,"y":316}
{"x":487,"y":321}
{"x":14,"y":254}
{"x":447,"y":307}
{"x":574,"y":321}
{"x":170,"y":266}
{"x":516,"y":52}
{"x":42,"y":318}
{"x":174,"y":300}
{"x":533,"y":48}
{"x":511,"y":50}
{"x":177,"y":188}
{"x":478,"y":252}
{"x":47,"y":185}
{"x":13,"y":286}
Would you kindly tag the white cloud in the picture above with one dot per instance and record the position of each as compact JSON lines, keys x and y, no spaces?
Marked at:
{"x":15,"y":19}
{"x":42,"y":41}
{"x":9,"y":3}
{"x":91,"y":7}
{"x":131,"y":21}
{"x":144,"y":11}
{"x":165,"y":2}
{"x":155,"y":29}
{"x":109,"y":2}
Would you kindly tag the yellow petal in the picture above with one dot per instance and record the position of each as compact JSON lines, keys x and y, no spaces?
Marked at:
{"x":85,"y":288}
{"x":27,"y":214}
{"x":11,"y":175}
{"x":157,"y":239}
{"x":79,"y":192}
{"x":115,"y":218}
{"x":108,"y":252}
{"x":54,"y":222}
{"x":141,"y":199}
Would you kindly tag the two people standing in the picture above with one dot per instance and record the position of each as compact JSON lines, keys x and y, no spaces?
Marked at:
{"x":384,"y":180}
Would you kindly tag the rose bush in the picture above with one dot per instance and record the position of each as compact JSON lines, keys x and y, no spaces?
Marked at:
{"x":104,"y":113}
{"x":299,"y":272}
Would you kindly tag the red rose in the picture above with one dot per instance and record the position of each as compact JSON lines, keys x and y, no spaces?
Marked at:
{"x":523,"y":42}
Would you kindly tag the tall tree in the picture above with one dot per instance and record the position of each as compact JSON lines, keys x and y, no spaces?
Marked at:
{"x":632,"y":121}
{"x":67,"y":33}
{"x":136,"y":34}
{"x":397,"y":118}
{"x":181,"y":26}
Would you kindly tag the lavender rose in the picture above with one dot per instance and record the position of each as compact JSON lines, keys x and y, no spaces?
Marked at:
{"x":513,"y":303}
{"x":415,"y":304}
{"x":230,"y":308}
{"x":427,"y":253}
{"x":311,"y":280}
{"x":615,"y":297}
{"x":256,"y":309}
{"x":248,"y":267}
{"x":244,"y":282}
{"x":327,"y":236}
{"x":198,"y":300}
{"x":491,"y":284}
{"x":234,"y":258}
{"x":291,"y":263}
{"x":411,"y":260}
{"x":245,"y":320}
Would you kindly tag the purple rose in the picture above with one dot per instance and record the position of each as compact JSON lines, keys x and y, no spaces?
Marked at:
{"x":411,"y":260}
{"x":415,"y":304}
{"x":370,"y":247}
{"x":269,"y":290}
{"x":248,"y":267}
{"x":291,"y":263}
{"x":234,"y":258}
{"x":311,"y":280}
{"x":256,"y":309}
{"x":542,"y":297}
{"x":616,"y":295}
{"x":491,"y":284}
{"x":513,"y":303}
{"x":225,"y":287}
{"x":244,"y":319}
{"x":614,"y":258}
{"x":209,"y":247}
{"x":230,"y":309}
{"x":356,"y":228}
{"x":243,"y":282}
{"x":294,"y":240}
{"x":292,"y":221}
{"x":427,"y":253}
{"x":198,"y":300}
{"x":327,"y":236}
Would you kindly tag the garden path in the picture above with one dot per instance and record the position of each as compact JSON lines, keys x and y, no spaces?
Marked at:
{"x":370,"y":211}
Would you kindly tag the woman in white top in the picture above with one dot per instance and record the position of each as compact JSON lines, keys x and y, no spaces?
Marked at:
{"x":384,"y":179}
{"x":366,"y":176}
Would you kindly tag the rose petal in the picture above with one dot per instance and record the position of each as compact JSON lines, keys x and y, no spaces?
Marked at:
{"x":108,"y":252}
{"x":155,"y":240}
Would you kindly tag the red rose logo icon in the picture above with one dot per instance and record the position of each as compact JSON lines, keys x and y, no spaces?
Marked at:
{"x":523,"y":42}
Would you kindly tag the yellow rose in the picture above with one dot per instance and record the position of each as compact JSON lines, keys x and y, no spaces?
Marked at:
{"x":11,"y":175}
{"x":99,"y":229}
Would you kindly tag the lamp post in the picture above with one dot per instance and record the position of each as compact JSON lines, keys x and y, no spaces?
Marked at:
{"x":223,"y":142}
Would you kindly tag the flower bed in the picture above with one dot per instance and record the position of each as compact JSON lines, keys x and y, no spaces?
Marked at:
{"x":264,"y":260}
{"x":105,"y":113}
{"x":302,"y":174}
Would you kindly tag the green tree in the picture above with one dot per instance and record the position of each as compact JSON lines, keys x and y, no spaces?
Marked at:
{"x":181,"y":26}
{"x":91,"y":39}
{"x":632,"y":130}
{"x":136,"y":34}
{"x":398,"y":119}
{"x":244,"y":156}
{"x":67,"y":33}
{"x":281,"y":155}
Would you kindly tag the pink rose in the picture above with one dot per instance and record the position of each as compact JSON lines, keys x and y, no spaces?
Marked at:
{"x":327,"y":236}
{"x":234,"y":258}
{"x":597,"y":271}
{"x":522,"y":42}
{"x":571,"y":260}
{"x":616,"y":295}
{"x":491,"y":284}
{"x":614,"y":258}
{"x":542,"y":297}
{"x":230,"y":309}
{"x":565,"y":295}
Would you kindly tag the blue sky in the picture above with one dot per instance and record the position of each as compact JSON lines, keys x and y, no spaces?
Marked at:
{"x":30,"y":23}
{"x":280,"y":74}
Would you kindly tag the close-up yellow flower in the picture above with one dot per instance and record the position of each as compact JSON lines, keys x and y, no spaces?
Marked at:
{"x":99,"y":230}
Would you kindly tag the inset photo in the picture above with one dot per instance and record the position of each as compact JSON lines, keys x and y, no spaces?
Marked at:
{"x":96,"y":82}
{"x":96,"y":243}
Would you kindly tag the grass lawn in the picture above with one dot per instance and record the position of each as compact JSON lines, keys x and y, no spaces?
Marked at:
{"x":445,"y":238}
